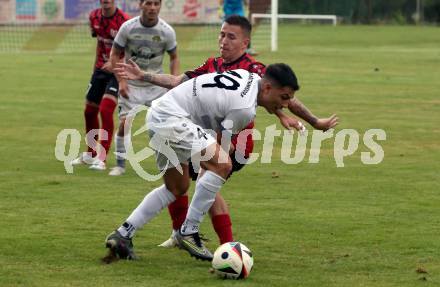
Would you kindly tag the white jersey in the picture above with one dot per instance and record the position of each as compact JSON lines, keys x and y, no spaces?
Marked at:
{"x":146,"y":45}
{"x":213,"y":101}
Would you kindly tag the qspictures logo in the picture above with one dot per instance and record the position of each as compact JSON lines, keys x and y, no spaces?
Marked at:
{"x":294,"y":145}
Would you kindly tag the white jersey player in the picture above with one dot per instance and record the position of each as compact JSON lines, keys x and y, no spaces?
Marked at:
{"x":190,"y":115}
{"x":146,"y":46}
{"x":178,"y":124}
{"x":144,"y":39}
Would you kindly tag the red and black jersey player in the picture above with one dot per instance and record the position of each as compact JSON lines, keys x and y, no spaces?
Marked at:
{"x":102,"y":91}
{"x":234,"y":38}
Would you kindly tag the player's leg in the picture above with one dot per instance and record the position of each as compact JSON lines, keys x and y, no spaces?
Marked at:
{"x":94,"y":95}
{"x":221,"y":220}
{"x":207,"y":186}
{"x":91,"y":112}
{"x":106,"y":109}
{"x":136,"y":97}
{"x":120,"y":241}
{"x":219,"y":212}
{"x":125,"y":106}
{"x":119,"y":169}
{"x":175,"y":183}
{"x":178,"y":210}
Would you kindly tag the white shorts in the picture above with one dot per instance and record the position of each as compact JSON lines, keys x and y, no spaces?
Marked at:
{"x":176,"y":140}
{"x":138,"y":96}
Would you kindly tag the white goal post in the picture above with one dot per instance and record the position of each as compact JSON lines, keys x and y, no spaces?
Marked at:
{"x":274,"y":16}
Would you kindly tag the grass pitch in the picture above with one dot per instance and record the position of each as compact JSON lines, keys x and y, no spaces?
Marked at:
{"x":311,"y":225}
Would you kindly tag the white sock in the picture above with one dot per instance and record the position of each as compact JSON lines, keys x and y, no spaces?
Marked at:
{"x":127,"y":230}
{"x":120,"y":151}
{"x":152,"y":204}
{"x":206,"y":189}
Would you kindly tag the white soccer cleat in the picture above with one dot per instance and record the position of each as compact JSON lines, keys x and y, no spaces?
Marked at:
{"x":98,"y":165}
{"x":117,"y":171}
{"x":84,"y":158}
{"x":170,"y":242}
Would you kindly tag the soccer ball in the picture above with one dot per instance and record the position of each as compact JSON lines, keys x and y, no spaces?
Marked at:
{"x":232,"y":260}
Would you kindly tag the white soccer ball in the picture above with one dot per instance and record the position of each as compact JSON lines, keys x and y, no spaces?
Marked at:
{"x":233,"y":260}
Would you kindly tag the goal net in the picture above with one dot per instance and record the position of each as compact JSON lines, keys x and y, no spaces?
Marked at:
{"x":45,"y":25}
{"x":62,"y":25}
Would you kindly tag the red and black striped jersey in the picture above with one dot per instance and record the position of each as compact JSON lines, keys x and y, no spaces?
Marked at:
{"x":245,"y":62}
{"x":212,"y":65}
{"x":105,"y":30}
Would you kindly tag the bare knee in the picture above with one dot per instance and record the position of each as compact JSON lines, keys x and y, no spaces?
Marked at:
{"x":175,"y":181}
{"x":178,"y":189}
{"x":223,"y":169}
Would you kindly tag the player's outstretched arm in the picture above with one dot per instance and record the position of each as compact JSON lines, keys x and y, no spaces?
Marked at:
{"x":290,"y":122}
{"x":300,"y":110}
{"x":327,"y":123}
{"x":131,"y":71}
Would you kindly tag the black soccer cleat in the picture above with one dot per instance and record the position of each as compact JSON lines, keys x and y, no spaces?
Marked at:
{"x":120,"y":246}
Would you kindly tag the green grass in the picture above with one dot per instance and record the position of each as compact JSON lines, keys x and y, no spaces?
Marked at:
{"x":314,"y":225}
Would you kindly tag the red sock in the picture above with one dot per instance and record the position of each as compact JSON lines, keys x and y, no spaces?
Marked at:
{"x":91,"y":117}
{"x":106,"y":109}
{"x":178,"y":210}
{"x":223,"y":227}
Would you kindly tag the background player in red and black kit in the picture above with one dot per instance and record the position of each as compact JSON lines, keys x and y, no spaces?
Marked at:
{"x":102,"y":92}
{"x":233,"y":41}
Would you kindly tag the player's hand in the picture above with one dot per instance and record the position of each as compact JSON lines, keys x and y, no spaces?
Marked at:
{"x":326,"y":123}
{"x":107,"y":67}
{"x":123,"y":89}
{"x":128,"y":71}
{"x":292,"y":123}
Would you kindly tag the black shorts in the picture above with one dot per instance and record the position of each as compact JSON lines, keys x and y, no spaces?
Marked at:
{"x":100,"y":84}
{"x":236,"y":166}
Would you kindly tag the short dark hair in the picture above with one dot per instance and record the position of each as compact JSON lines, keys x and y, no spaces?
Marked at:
{"x":241,"y":21}
{"x":282,"y":75}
